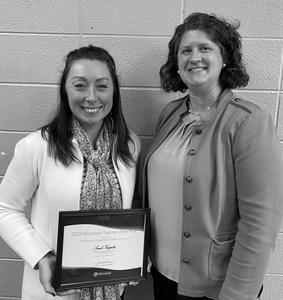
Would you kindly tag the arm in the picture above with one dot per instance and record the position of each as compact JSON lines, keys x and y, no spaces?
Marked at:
{"x":258,"y":172}
{"x":16,"y":190}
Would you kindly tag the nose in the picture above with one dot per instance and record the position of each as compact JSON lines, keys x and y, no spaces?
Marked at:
{"x":90,"y":96}
{"x":195,"y":56}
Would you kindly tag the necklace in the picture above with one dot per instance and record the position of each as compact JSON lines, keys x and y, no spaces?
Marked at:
{"x":198,"y":114}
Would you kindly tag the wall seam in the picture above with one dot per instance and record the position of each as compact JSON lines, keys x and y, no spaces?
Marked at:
{"x":277,"y":112}
{"x":182,"y":11}
{"x":29,"y":84}
{"x":8,"y":33}
{"x":80,"y":22}
{"x":11,"y":259}
{"x":14,"y":131}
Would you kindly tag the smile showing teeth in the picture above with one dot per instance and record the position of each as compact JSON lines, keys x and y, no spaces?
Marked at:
{"x":196,"y":69}
{"x":91,"y":109}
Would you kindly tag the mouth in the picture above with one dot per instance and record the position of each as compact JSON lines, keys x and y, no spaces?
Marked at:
{"x":90,"y":109}
{"x":196,"y":69}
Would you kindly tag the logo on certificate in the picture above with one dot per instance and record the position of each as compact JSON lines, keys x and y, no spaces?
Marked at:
{"x":95,"y":274}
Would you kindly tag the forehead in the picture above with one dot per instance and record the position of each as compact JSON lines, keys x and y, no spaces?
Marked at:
{"x":195,"y":36}
{"x":89,"y":68}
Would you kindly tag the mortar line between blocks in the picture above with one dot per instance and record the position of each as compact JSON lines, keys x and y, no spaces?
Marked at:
{"x":80,"y":23}
{"x":182,"y":10}
{"x":277,"y":112}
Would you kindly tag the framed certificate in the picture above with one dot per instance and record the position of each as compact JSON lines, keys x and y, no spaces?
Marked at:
{"x":101,"y":247}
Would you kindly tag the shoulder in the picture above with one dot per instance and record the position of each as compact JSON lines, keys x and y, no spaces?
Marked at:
{"x":249,"y":121}
{"x":241,"y":117}
{"x":173,"y":105}
{"x":32,"y":142}
{"x":240,"y":110}
{"x":29,"y":152}
{"x":169,"y":110}
{"x":241,"y":104}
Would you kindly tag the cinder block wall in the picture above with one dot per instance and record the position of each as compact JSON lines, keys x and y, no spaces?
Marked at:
{"x":35,"y":35}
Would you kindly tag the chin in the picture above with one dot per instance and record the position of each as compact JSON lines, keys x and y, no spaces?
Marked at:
{"x":196,"y":85}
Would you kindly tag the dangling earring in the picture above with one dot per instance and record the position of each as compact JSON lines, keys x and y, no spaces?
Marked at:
{"x":224,"y":65}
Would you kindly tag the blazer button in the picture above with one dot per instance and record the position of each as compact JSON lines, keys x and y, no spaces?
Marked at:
{"x":192,"y":152}
{"x":188,"y":206}
{"x":187,"y":234}
{"x":198,"y":131}
{"x":189,"y":179}
{"x":186,"y":260}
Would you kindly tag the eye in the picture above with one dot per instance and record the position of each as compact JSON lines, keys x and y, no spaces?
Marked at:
{"x":186,"y":51}
{"x":102,"y":86}
{"x":205,"y":49}
{"x":80,"y":85}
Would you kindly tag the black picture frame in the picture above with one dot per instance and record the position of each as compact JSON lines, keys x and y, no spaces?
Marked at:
{"x":118,"y":220}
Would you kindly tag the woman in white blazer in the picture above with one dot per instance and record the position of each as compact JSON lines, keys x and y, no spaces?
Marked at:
{"x":85,"y":158}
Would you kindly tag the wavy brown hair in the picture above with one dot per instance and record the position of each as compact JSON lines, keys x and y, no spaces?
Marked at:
{"x":221,"y":32}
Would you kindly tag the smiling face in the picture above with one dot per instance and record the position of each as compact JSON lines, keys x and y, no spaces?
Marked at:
{"x":89,"y":88}
{"x":199,"y":61}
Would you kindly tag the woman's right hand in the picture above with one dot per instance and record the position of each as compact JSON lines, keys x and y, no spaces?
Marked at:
{"x":46,"y":272}
{"x":46,"y":268}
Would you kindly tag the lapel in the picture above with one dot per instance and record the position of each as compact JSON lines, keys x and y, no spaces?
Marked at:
{"x":176,"y":109}
{"x":168,"y":124}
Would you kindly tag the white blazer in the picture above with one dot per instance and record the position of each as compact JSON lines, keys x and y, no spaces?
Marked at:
{"x":33,"y":176}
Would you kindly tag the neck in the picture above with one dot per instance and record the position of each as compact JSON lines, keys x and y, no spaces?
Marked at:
{"x":93,"y":131}
{"x":203,"y":100}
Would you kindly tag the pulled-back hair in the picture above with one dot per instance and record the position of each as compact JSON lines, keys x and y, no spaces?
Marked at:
{"x":224,"y":34}
{"x":58,"y":132}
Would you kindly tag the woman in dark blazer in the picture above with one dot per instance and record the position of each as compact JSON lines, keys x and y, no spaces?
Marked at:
{"x":213,"y":175}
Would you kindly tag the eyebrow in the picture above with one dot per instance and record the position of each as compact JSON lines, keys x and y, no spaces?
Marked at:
{"x":103,"y":78}
{"x":84,"y":78}
{"x":205,"y":44}
{"x":200,"y":44}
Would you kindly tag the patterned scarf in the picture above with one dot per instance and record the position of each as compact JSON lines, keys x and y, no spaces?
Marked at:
{"x":100,"y":189}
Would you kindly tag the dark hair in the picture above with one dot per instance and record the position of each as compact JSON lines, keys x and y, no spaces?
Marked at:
{"x":224,"y":34}
{"x":58,"y":132}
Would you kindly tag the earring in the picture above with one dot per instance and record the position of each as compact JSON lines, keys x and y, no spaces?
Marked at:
{"x":178,"y":72}
{"x":224,"y":65}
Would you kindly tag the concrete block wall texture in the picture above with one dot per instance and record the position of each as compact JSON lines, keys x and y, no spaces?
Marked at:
{"x":35,"y":36}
